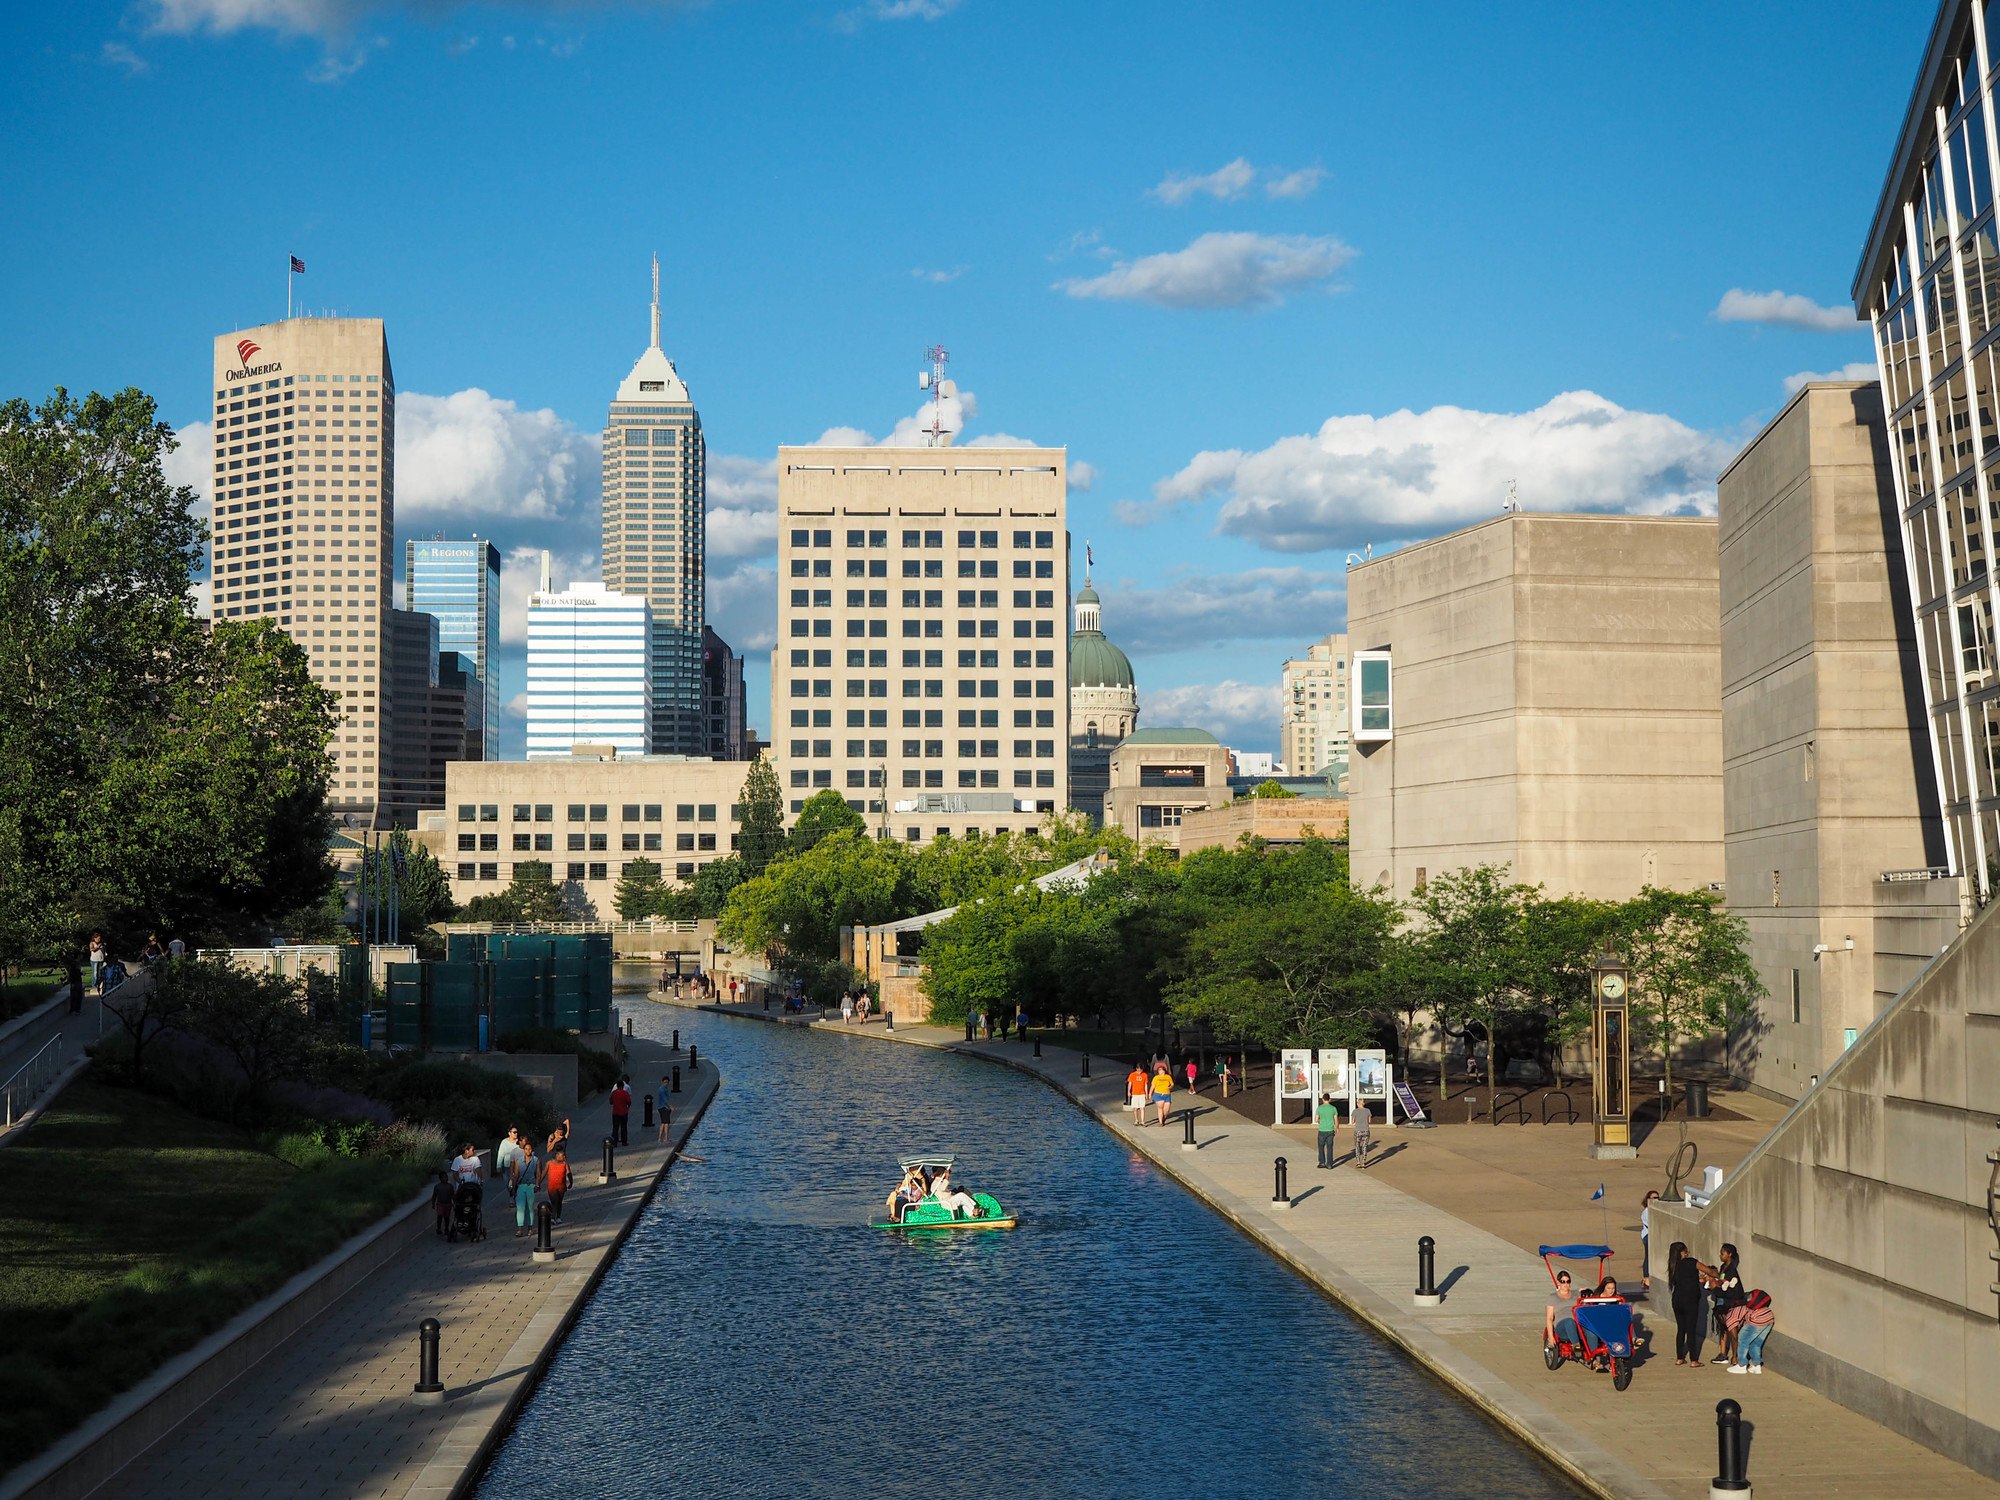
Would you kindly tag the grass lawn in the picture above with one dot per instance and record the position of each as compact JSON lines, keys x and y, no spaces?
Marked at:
{"x":130,"y":1229}
{"x":26,"y":990}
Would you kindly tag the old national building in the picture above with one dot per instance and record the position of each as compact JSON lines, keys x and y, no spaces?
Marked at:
{"x":304,"y":517}
{"x":655,"y":534}
{"x":1825,"y":787}
{"x":1314,"y":739}
{"x":1103,"y":704}
{"x":1539,"y":691}
{"x":589,"y":669}
{"x":1158,"y":776}
{"x":584,"y":816}
{"x":919,"y":669}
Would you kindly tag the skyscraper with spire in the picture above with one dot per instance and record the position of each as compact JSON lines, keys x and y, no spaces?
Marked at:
{"x":655,"y":542}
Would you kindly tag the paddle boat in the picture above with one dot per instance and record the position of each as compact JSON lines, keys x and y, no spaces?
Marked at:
{"x":929,"y":1213}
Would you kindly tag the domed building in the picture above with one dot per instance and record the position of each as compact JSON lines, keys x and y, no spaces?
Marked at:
{"x":1103,"y":705}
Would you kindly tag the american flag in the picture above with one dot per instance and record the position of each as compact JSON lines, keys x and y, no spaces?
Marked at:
{"x":298,"y":266}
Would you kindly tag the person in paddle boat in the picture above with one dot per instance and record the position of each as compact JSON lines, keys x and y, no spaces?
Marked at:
{"x":911,"y":1190}
{"x":951,"y":1198}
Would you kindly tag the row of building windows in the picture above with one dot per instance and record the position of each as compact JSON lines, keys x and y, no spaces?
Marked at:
{"x":579,"y":843}
{"x":924,"y":718}
{"x":922,"y":750}
{"x":923,"y":599}
{"x":920,"y":780}
{"x":990,"y":660}
{"x":923,"y":687}
{"x":1043,"y":630}
{"x":933,"y":539}
{"x":875,"y":567}
{"x":579,"y":870}
{"x":596,"y":812}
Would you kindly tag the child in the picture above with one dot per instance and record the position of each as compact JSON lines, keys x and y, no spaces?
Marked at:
{"x":441,"y":1202}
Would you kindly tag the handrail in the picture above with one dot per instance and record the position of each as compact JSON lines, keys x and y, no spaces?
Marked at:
{"x":53,"y":1044}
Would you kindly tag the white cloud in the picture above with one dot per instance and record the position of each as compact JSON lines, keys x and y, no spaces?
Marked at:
{"x":1233,"y":269}
{"x":951,"y":413}
{"x":742,"y":506}
{"x":480,"y":456}
{"x":743,"y":608}
{"x":319,"y":18}
{"x":1210,"y":609}
{"x":1084,"y":239}
{"x":118,"y":55}
{"x":1081,"y":475}
{"x":1300,"y":184}
{"x":516,"y":707}
{"x":1860,"y":369}
{"x":192,"y":463}
{"x":1226,"y":183}
{"x":1367,"y":478}
{"x":895,"y":10}
{"x":521,"y":575}
{"x":201,"y":598}
{"x":1241,"y":714}
{"x":1785,"y":310}
{"x":938,"y":278}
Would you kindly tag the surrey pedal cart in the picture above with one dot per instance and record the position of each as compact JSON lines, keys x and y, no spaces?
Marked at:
{"x":1604,"y":1339}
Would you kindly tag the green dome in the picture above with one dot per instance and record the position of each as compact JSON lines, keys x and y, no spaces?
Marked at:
{"x":1095,"y":662}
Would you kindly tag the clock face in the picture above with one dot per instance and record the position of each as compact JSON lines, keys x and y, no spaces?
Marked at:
{"x":1612,"y":986}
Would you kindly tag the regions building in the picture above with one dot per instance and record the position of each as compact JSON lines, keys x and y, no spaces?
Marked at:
{"x":655,"y":538}
{"x":1539,"y":691}
{"x":1103,"y":704}
{"x":920,"y":666}
{"x":1158,"y":777}
{"x":589,"y":670}
{"x":724,"y":709}
{"x":304,"y":518}
{"x":585,"y":816}
{"x":458,"y":582}
{"x":1313,"y":739}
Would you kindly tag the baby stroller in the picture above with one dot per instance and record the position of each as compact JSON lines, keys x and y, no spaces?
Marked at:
{"x":468,"y":1213}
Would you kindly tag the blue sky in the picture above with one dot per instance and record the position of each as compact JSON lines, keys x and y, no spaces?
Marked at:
{"x":1287,"y":280}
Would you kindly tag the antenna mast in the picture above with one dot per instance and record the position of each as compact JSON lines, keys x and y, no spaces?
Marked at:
{"x":656,"y":301}
{"x":933,"y":380}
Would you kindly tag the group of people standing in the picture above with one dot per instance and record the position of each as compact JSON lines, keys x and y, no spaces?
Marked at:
{"x":986,"y":1021}
{"x":1326,"y":1120}
{"x":1741,"y":1316}
{"x":856,"y":1007}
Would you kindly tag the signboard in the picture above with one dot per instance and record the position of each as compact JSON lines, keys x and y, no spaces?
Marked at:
{"x":1335,"y":1072}
{"x":1295,"y":1073}
{"x":1371,"y":1074}
{"x":1407,"y":1098}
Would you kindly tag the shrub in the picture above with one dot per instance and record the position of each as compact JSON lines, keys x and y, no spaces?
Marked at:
{"x":468,"y":1102}
{"x":596,"y":1070}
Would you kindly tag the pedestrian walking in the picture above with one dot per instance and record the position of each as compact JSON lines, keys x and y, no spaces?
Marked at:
{"x":846,"y":1008}
{"x":1327,"y":1118}
{"x":1360,"y":1134}
{"x":523,"y":1173}
{"x":507,"y":1152}
{"x":665,"y":1110}
{"x":1021,"y":1023}
{"x":621,"y":1113}
{"x":1646,"y":1238}
{"x":441,"y":1202}
{"x":1193,"y":1073}
{"x":555,"y":1181}
{"x":1135,"y":1093}
{"x":1163,"y":1093}
{"x":98,"y":958}
{"x":1684,"y":1290}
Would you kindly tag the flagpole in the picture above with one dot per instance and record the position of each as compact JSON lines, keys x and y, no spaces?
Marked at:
{"x":288,"y":289}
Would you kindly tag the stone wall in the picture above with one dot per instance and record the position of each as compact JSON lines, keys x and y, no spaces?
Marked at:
{"x":1866,"y":1214}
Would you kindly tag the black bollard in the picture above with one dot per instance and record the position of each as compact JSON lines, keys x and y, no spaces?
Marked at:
{"x":647,"y":1119}
{"x":694,"y":1061}
{"x":1729,"y":1448}
{"x":889,"y":1016}
{"x":1279,"y":1197}
{"x":545,"y":1244}
{"x":1038,"y":1046}
{"x":1187,"y":1135}
{"x":628,"y":1026}
{"x":677,"y":1078}
{"x":767,"y":999}
{"x":1086,"y":1065}
{"x":677,"y":1040}
{"x":429,"y":1388}
{"x":606,"y":1173}
{"x":1426,"y":1294}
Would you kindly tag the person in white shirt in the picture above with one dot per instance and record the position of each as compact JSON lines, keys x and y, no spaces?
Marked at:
{"x":942,"y":1190}
{"x":177,"y":949}
{"x":466,"y":1166}
{"x":507,"y":1152}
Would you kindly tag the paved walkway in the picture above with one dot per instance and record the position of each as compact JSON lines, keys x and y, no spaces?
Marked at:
{"x":26,"y":1035}
{"x":1355,"y":1234}
{"x":330,"y":1413}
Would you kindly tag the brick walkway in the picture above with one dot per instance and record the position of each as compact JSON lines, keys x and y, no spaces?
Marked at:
{"x":330,"y":1414}
{"x":1355,"y":1234}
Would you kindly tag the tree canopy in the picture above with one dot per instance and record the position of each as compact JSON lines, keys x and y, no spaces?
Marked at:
{"x":761,"y":833}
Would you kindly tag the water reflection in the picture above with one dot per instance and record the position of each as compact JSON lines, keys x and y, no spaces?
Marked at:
{"x":756,"y":1338}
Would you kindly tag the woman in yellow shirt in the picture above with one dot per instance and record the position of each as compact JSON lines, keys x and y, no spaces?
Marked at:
{"x":1163,"y":1092}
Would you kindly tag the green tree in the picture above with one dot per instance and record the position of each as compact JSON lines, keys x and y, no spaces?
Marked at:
{"x":1472,"y":921}
{"x":1561,"y":937}
{"x":1272,"y":790}
{"x":800,"y":903}
{"x":711,"y":886}
{"x":1691,"y":973}
{"x":423,"y":889}
{"x":260,"y":1020}
{"x":825,"y":812}
{"x":639,"y":890}
{"x":533,"y":893}
{"x":1293,"y":972}
{"x":762,"y":831}
{"x":970,"y":959}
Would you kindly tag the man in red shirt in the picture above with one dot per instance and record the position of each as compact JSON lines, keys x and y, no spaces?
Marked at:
{"x":621,"y":1112}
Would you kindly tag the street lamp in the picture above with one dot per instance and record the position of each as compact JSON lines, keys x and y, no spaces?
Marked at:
{"x":1611,"y":1085}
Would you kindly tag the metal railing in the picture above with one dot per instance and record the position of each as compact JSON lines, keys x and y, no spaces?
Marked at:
{"x":528,"y":929}
{"x":31,"y":1078}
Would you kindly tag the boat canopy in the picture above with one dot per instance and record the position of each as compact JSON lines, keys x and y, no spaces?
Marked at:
{"x":928,"y":1163}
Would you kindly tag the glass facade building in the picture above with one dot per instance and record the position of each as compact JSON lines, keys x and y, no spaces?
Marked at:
{"x":458,"y":582}
{"x":590,"y":663}
{"x":1929,"y":285}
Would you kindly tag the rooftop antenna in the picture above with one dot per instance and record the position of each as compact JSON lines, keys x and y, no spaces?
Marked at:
{"x":1512,"y":504}
{"x":656,"y":301}
{"x":941,"y":390}
{"x":545,"y":574}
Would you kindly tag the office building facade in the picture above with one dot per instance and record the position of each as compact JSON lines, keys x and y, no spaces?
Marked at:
{"x":304,"y":517}
{"x":1103,"y":704}
{"x":724,"y":710}
{"x":655,"y":533}
{"x":919,"y":669}
{"x":458,"y":582}
{"x":1314,"y":738}
{"x":590,"y":653}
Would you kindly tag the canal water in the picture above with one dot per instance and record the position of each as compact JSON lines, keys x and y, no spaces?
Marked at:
{"x":756,"y":1338}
